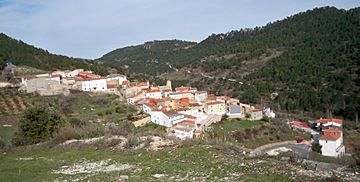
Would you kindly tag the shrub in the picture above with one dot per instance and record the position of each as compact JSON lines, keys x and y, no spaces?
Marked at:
{"x":224,"y":117}
{"x":130,"y":117}
{"x":316,"y":147}
{"x":2,"y":143}
{"x":131,"y":142}
{"x":120,"y":110}
{"x":65,"y":133}
{"x":238,"y":135}
{"x":91,"y":131}
{"x":65,"y":104}
{"x":37,"y":124}
{"x":76,"y":122}
{"x":102,"y":101}
{"x":122,"y":130}
{"x":277,"y":137}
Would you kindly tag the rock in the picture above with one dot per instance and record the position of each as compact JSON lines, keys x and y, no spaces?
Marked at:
{"x":277,"y":151}
{"x":158,"y":175}
{"x":24,"y":159}
{"x":285,"y":158}
{"x":123,"y":177}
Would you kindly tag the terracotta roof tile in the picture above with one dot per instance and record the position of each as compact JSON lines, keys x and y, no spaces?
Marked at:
{"x":323,"y":121}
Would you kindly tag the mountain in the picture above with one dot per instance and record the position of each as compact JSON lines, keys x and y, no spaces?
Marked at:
{"x":154,"y":55}
{"x":306,"y":62}
{"x":23,"y":54}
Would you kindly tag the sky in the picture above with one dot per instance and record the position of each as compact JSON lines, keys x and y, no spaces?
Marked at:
{"x":91,"y":28}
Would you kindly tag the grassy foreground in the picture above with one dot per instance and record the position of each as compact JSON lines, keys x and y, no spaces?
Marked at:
{"x":187,"y":163}
{"x":252,"y":134}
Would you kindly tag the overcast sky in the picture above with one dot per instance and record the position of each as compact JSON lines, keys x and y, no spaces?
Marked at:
{"x":91,"y":28}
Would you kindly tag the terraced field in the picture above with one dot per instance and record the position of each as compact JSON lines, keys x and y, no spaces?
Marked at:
{"x":11,"y":103}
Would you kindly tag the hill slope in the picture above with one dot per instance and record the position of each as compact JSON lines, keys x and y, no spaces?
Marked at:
{"x":311,"y":60}
{"x":153,"y":55}
{"x":23,"y":54}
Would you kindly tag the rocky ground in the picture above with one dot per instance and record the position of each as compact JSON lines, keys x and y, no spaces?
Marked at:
{"x":152,"y":158}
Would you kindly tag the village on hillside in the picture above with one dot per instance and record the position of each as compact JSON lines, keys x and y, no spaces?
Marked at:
{"x":186,"y":112}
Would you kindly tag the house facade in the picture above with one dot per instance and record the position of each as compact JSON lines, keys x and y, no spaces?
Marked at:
{"x":255,"y":114}
{"x":216,"y":107}
{"x":332,"y":143}
{"x":154,"y":94}
{"x":180,"y":95}
{"x":166,"y":118}
{"x":119,"y":78}
{"x":41,"y":83}
{"x":184,"y":130}
{"x":94,"y":84}
{"x":329,"y":122}
{"x":149,"y":107}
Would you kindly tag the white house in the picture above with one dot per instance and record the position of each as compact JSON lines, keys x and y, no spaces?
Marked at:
{"x":73,"y":73}
{"x":166,"y":118}
{"x":155,"y":94}
{"x":192,"y":112}
{"x":94,"y":84}
{"x":166,"y":87}
{"x":255,"y":114}
{"x":332,"y":143}
{"x":136,"y":97}
{"x":217,"y":108}
{"x":180,"y":95}
{"x":130,"y":91}
{"x":149,"y":107}
{"x":59,"y":72}
{"x":269,"y":113}
{"x":184,"y":130}
{"x":144,"y":85}
{"x":234,"y":111}
{"x":201,"y":96}
{"x":329,"y":122}
{"x":185,"y":89}
{"x":118,"y":77}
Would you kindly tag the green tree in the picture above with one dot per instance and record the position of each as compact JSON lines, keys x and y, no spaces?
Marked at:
{"x":37,"y":124}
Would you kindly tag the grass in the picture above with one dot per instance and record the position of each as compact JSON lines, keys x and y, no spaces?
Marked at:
{"x":6,"y":132}
{"x":318,"y":157}
{"x":153,"y":128}
{"x":102,"y":107}
{"x":229,"y":125}
{"x":251,"y":134}
{"x":197,"y":163}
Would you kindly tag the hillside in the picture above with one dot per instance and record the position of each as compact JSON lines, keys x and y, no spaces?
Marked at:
{"x":23,"y":54}
{"x":154,"y":54}
{"x":310,"y":60}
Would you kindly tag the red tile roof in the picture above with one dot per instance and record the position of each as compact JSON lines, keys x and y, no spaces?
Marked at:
{"x":299,"y":124}
{"x":152,"y":91}
{"x":323,"y":121}
{"x":185,"y":100}
{"x":182,"y":89}
{"x":155,"y":101}
{"x":331,"y":134}
{"x":171,"y":113}
{"x":191,"y":122}
{"x":89,"y":79}
{"x":194,"y":105}
{"x":143,"y":84}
